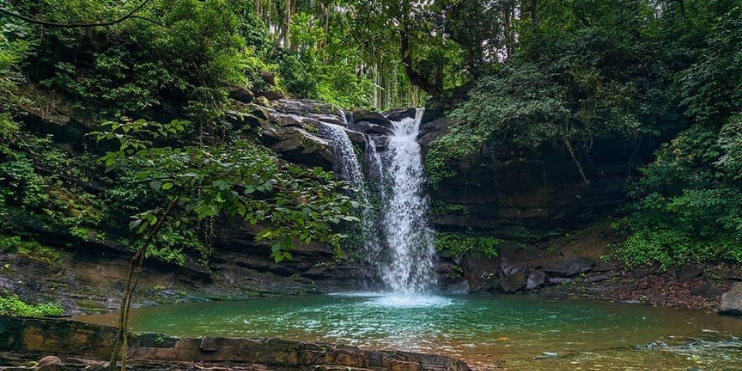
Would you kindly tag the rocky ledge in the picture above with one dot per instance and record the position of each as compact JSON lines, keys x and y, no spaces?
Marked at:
{"x":69,"y":345}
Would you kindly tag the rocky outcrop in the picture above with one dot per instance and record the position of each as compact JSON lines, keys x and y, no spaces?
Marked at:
{"x":540,"y":193}
{"x":731,"y":301}
{"x":292,"y":128}
{"x":35,"y":338}
{"x":88,"y":275}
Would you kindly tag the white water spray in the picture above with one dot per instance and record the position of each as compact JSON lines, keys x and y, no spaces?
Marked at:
{"x":409,"y":266}
{"x":399,"y":241}
{"x":346,"y":164}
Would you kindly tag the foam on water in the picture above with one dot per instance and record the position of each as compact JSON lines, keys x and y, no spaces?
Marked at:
{"x":409,"y":301}
{"x":395,"y":300}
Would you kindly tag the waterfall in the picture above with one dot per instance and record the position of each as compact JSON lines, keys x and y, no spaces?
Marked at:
{"x":347,"y":167}
{"x":409,"y":266}
{"x":397,"y":238}
{"x":346,"y":164}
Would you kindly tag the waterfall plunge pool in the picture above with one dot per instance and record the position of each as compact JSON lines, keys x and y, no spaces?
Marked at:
{"x":516,"y":332}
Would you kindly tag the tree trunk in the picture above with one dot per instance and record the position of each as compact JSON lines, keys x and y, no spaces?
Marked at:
{"x":135,"y":269}
{"x":574,"y":158}
{"x":415,"y":78}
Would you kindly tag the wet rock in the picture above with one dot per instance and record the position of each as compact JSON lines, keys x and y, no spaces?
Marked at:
{"x":598,"y":278}
{"x":536,"y":280}
{"x":688,"y":272}
{"x":372,"y":117}
{"x":369,"y":128}
{"x":731,"y":301}
{"x":458,"y":288}
{"x":512,"y":284}
{"x":509,"y":268}
{"x":241,"y":94}
{"x":480,"y":271}
{"x":397,"y":115}
{"x":569,"y":267}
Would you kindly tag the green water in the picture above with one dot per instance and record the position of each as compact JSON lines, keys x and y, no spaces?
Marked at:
{"x":501,"y":331}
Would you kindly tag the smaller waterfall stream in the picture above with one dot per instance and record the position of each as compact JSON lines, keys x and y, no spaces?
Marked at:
{"x":346,"y":164}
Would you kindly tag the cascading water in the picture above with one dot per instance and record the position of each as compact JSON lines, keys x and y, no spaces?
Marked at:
{"x":409,"y":266}
{"x":398,"y":240}
{"x":349,"y":169}
{"x":346,"y":164}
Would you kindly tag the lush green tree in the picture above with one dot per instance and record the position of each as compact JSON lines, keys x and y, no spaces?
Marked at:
{"x":237,"y":179}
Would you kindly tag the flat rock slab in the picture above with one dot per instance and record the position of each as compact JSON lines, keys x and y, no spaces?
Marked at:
{"x":569,"y":267}
{"x":32,"y":339}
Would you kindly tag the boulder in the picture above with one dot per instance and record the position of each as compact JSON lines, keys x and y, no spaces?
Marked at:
{"x":369,"y":128}
{"x":688,"y":272}
{"x":300,"y":146}
{"x":480,"y":271}
{"x":512,"y":284}
{"x":241,"y":94}
{"x":268,"y":77}
{"x":536,"y":280}
{"x":570,"y":266}
{"x":372,"y":117}
{"x":399,"y":114}
{"x":731,"y":301}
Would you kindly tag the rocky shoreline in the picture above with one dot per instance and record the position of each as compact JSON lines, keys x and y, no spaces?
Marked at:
{"x":571,"y":267}
{"x":69,"y":345}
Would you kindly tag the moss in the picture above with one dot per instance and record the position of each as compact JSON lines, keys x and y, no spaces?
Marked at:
{"x":12,"y":305}
{"x":29,"y":248}
{"x":460,"y":243}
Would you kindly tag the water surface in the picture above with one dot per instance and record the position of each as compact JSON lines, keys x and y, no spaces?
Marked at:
{"x":505,"y":331}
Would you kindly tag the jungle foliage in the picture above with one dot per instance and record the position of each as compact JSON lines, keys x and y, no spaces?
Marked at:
{"x":628,"y":70}
{"x":536,"y":73}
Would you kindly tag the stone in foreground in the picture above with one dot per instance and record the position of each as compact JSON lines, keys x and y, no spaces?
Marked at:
{"x":28,"y":339}
{"x":731,"y":301}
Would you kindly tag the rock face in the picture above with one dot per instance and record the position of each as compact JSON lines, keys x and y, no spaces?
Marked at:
{"x":540,"y":193}
{"x":89,"y":274}
{"x":30,"y":338}
{"x":731,"y":301}
{"x":569,"y":267}
{"x":292,"y":127}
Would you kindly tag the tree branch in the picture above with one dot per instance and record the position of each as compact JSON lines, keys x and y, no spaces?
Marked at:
{"x":73,"y":25}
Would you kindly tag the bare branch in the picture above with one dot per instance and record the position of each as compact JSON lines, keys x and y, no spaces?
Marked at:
{"x":74,"y":25}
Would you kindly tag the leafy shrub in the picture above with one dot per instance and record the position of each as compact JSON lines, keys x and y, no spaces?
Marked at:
{"x":458,"y":244}
{"x":30,"y":248}
{"x":11,"y":305}
{"x":689,"y":203}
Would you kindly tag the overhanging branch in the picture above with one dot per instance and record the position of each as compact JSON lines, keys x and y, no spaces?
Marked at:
{"x":74,"y":25}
